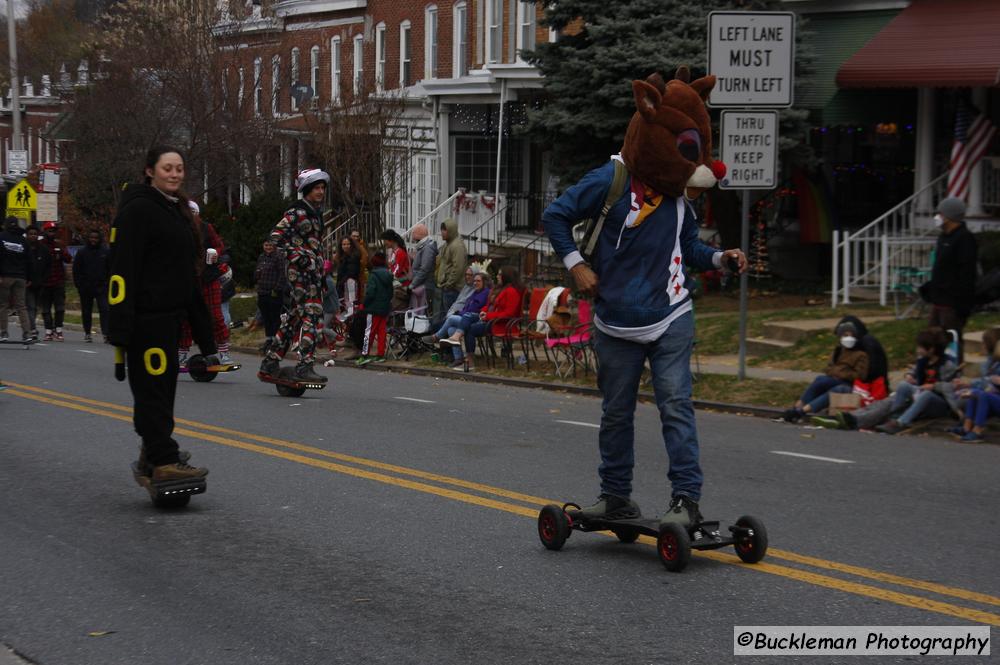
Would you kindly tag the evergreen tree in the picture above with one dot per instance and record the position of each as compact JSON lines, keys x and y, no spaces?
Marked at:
{"x":605,"y":44}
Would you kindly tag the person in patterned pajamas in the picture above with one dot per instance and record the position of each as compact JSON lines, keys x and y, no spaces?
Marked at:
{"x":299,"y":236}
{"x":211,"y":291}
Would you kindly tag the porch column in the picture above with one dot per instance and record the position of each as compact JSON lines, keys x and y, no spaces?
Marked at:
{"x":285,"y":169}
{"x":923,"y":171}
{"x":979,"y":100}
{"x":447,"y":179}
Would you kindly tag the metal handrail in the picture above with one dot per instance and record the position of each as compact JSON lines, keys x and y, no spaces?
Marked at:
{"x":896,"y":208}
{"x":423,"y":220}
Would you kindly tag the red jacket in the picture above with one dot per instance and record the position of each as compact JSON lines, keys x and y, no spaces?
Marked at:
{"x":400,"y":266}
{"x":57,"y":273}
{"x":507,"y":306}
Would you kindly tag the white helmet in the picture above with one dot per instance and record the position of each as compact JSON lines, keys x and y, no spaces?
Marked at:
{"x":309,"y":177}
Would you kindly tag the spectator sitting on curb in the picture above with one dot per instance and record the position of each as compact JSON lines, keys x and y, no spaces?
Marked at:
{"x":916,"y":396}
{"x":850,"y":362}
{"x":981,"y":395}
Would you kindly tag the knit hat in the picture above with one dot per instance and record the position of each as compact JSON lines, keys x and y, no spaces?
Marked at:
{"x":195,"y":210}
{"x":952,"y":208}
{"x":378,"y":260}
{"x":308,"y":178}
{"x":48,"y":225}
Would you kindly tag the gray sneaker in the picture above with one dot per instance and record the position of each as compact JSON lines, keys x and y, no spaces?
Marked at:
{"x":683,"y":511}
{"x":612,"y":507}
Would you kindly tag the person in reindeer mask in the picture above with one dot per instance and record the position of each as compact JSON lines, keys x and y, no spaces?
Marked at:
{"x":642,"y":230}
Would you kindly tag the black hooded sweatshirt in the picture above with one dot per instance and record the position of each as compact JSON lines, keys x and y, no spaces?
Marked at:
{"x":154,"y":251}
{"x":878,"y":362}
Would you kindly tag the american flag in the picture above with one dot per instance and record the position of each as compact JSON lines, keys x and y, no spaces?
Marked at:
{"x":972,"y":138}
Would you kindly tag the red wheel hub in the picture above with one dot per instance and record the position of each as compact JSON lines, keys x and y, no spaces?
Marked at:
{"x":548,"y":528}
{"x":668,"y":546}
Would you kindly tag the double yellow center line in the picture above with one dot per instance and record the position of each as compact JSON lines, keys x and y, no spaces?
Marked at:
{"x":509,"y":501}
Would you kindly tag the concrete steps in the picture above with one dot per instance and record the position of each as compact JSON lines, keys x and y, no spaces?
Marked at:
{"x":781,"y":335}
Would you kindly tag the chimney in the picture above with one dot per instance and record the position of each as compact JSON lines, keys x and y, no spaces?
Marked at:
{"x":46,"y":86}
{"x":83,"y":73}
{"x":29,"y":87}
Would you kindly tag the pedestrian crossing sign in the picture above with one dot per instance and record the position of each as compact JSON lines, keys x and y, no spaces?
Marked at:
{"x":21,"y":199}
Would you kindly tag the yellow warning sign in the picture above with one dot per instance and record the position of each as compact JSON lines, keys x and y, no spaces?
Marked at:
{"x":21,"y":198}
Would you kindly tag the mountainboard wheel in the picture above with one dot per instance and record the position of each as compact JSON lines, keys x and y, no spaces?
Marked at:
{"x":752,"y":548}
{"x":196,"y":369}
{"x":674,"y":547}
{"x":288,"y":391}
{"x":171,"y":502}
{"x":553,"y":527}
{"x":626,"y":534}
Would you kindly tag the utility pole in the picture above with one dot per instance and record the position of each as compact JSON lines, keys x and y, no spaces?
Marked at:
{"x":15,"y":79}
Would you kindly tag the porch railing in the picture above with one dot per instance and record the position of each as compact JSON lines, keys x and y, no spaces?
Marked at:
{"x":897,"y":241}
{"x":991,"y":181}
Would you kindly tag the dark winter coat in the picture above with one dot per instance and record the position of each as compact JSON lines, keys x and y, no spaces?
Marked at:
{"x":90,"y":269}
{"x":378,"y":293}
{"x":349,"y":267}
{"x":270,"y":274}
{"x":39,"y":260}
{"x":155,"y":253}
{"x":13,"y":255}
{"x":953,"y":277}
{"x":877,"y":364}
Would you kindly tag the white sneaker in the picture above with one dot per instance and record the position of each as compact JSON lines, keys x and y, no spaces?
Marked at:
{"x":224,"y":359}
{"x":182,"y":358}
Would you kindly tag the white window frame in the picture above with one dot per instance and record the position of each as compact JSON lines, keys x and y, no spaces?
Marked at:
{"x":493,"y":27}
{"x":335,"y":65}
{"x":294,"y":75}
{"x":314,"y":75}
{"x":460,"y":40}
{"x":525,"y":27}
{"x":405,"y":58}
{"x":380,"y":57}
{"x":275,"y":84}
{"x":258,"y":90}
{"x":359,"y":63}
{"x":431,"y":39}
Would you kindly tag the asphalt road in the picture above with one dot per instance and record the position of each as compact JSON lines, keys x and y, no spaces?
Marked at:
{"x":390,"y":519}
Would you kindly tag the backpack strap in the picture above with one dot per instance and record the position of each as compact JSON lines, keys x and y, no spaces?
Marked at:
{"x":593,"y":227}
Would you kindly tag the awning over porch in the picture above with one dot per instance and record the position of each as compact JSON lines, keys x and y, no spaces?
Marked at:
{"x":931,"y":44}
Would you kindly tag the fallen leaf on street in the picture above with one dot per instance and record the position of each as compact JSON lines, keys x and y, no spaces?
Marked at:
{"x":99,"y":633}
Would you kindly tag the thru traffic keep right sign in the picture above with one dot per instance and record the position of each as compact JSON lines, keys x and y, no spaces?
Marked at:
{"x":748,"y":146}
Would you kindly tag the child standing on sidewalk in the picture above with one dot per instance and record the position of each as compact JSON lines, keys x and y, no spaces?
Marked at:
{"x":378,"y":304}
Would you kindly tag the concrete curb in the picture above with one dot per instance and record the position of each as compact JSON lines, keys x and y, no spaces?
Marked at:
{"x":474,"y":377}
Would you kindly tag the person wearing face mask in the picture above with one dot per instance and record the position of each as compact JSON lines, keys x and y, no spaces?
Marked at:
{"x":952,"y":288}
{"x":850,"y":362}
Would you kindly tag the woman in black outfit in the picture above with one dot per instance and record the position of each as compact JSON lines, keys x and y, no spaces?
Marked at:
{"x":154,"y":265}
{"x":348,"y":274}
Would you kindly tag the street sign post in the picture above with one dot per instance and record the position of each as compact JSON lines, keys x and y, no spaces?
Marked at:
{"x":752,"y":55}
{"x":748,"y":146}
{"x":17,"y":162}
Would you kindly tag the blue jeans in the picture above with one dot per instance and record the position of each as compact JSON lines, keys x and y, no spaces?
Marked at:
{"x":922,"y":404}
{"x":817,"y":395}
{"x":473,"y":328}
{"x":453,"y":323}
{"x":620,"y":366}
{"x":981,"y":406}
{"x":225,"y":313}
{"x":448,"y":298}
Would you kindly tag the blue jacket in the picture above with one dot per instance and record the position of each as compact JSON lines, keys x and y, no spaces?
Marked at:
{"x":476,"y":302}
{"x":640,"y":269}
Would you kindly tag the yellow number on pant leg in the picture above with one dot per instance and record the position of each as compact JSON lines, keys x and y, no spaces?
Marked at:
{"x":157,"y":353}
{"x":115,"y":296}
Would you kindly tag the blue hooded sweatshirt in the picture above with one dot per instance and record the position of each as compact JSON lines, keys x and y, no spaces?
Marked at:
{"x":641,"y":268}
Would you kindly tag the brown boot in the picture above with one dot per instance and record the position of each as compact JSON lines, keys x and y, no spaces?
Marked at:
{"x":178,"y":471}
